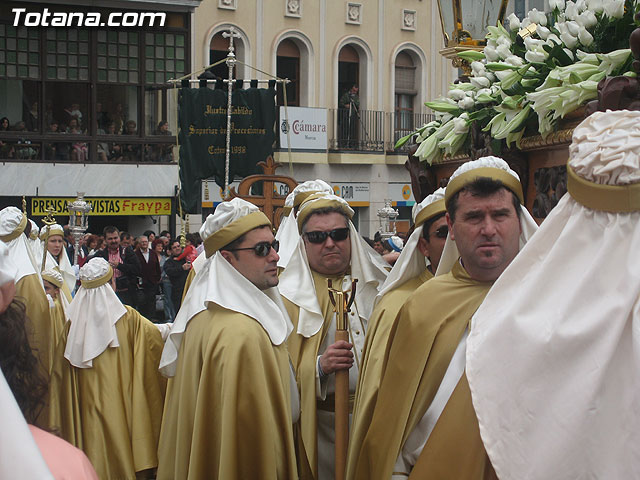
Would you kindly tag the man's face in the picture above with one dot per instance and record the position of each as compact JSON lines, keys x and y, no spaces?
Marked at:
{"x":329,"y":257}
{"x":55,"y":244}
{"x":126,"y":241}
{"x":144,"y":243}
{"x":50,"y":289}
{"x":433,"y":247}
{"x":377,"y":246}
{"x":261,"y":271}
{"x":113,"y":240}
{"x":486,"y":232}
{"x":176,"y":249}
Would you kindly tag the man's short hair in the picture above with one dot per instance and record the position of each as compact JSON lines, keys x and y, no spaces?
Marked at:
{"x":481,"y":187}
{"x":427,"y":225}
{"x":124,"y":235}
{"x":325,"y":211}
{"x":110,"y":229}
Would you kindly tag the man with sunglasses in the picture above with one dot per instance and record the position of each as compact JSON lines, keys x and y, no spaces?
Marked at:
{"x":233,"y":398}
{"x":415,"y":266}
{"x":423,"y":408}
{"x":287,"y":233}
{"x":329,"y":248}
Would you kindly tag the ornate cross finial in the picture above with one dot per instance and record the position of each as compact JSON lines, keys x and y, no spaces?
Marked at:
{"x":231,"y":34}
{"x":24,"y":205}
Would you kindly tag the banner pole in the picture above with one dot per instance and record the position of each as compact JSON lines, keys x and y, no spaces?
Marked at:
{"x":231,"y":62}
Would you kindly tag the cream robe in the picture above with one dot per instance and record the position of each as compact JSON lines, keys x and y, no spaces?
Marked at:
{"x":422,"y":341}
{"x":315,"y":431}
{"x":228,"y":409}
{"x":113,"y":410}
{"x":375,"y":351}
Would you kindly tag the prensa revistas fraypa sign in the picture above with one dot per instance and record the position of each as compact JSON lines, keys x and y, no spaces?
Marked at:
{"x":103,"y":206}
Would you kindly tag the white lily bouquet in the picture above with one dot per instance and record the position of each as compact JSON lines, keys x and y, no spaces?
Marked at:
{"x":519,"y":87}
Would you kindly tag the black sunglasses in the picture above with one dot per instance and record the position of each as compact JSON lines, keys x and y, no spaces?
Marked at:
{"x":442,"y":232}
{"x":261,"y":249}
{"x":319,"y":236}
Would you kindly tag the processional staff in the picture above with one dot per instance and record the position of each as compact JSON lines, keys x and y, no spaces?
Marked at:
{"x":342,"y":302}
{"x":48,"y":221}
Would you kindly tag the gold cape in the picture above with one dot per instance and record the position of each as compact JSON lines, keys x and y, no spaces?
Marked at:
{"x":113,"y":410}
{"x":304,"y":356}
{"x":375,"y":351}
{"x":228,"y":409}
{"x":58,"y":323}
{"x":422,"y":341}
{"x":41,"y":336}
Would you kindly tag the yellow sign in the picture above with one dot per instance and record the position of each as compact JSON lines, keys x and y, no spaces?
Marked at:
{"x":103,"y":206}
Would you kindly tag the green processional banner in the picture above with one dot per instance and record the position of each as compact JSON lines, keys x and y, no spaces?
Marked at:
{"x":203,"y":127}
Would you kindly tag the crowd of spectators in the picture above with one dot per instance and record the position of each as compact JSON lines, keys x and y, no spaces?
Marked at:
{"x":154,"y":288}
{"x":73,"y":122}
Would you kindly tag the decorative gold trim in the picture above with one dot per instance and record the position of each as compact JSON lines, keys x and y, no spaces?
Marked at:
{"x":314,"y":203}
{"x":51,"y":231}
{"x":286,"y":211}
{"x":458,"y":183}
{"x":608,"y":198}
{"x":555,"y":138}
{"x":302,"y":196}
{"x":57,"y":281}
{"x":430,"y":211}
{"x":16,"y":233}
{"x":98,"y":282}
{"x":233,"y":231}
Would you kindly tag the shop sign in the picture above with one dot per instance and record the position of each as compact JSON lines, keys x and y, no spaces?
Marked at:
{"x":356,"y":193}
{"x":401,"y":194}
{"x":103,"y":206}
{"x":308,"y":128}
{"x":212,"y":193}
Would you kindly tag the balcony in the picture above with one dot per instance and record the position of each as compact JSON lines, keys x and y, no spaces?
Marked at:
{"x":362,"y":131}
{"x":370,"y":130}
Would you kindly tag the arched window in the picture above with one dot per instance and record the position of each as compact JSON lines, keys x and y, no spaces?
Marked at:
{"x":406,"y":90}
{"x":288,"y":66}
{"x":348,"y":69}
{"x":219,"y":50}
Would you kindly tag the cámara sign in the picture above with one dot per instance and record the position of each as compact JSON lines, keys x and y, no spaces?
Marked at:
{"x":308,"y":128}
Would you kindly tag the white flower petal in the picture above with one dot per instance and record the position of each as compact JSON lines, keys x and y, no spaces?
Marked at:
{"x":514,"y":22}
{"x":543,"y":32}
{"x":585,"y":37}
{"x":569,"y":40}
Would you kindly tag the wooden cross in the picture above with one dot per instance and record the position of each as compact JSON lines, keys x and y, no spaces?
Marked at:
{"x":269,"y":202}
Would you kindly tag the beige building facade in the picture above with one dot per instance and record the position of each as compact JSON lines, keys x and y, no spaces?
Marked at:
{"x":388,"y":48}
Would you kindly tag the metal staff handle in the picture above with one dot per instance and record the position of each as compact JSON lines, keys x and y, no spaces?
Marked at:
{"x":342,"y":302}
{"x":48,"y":221}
